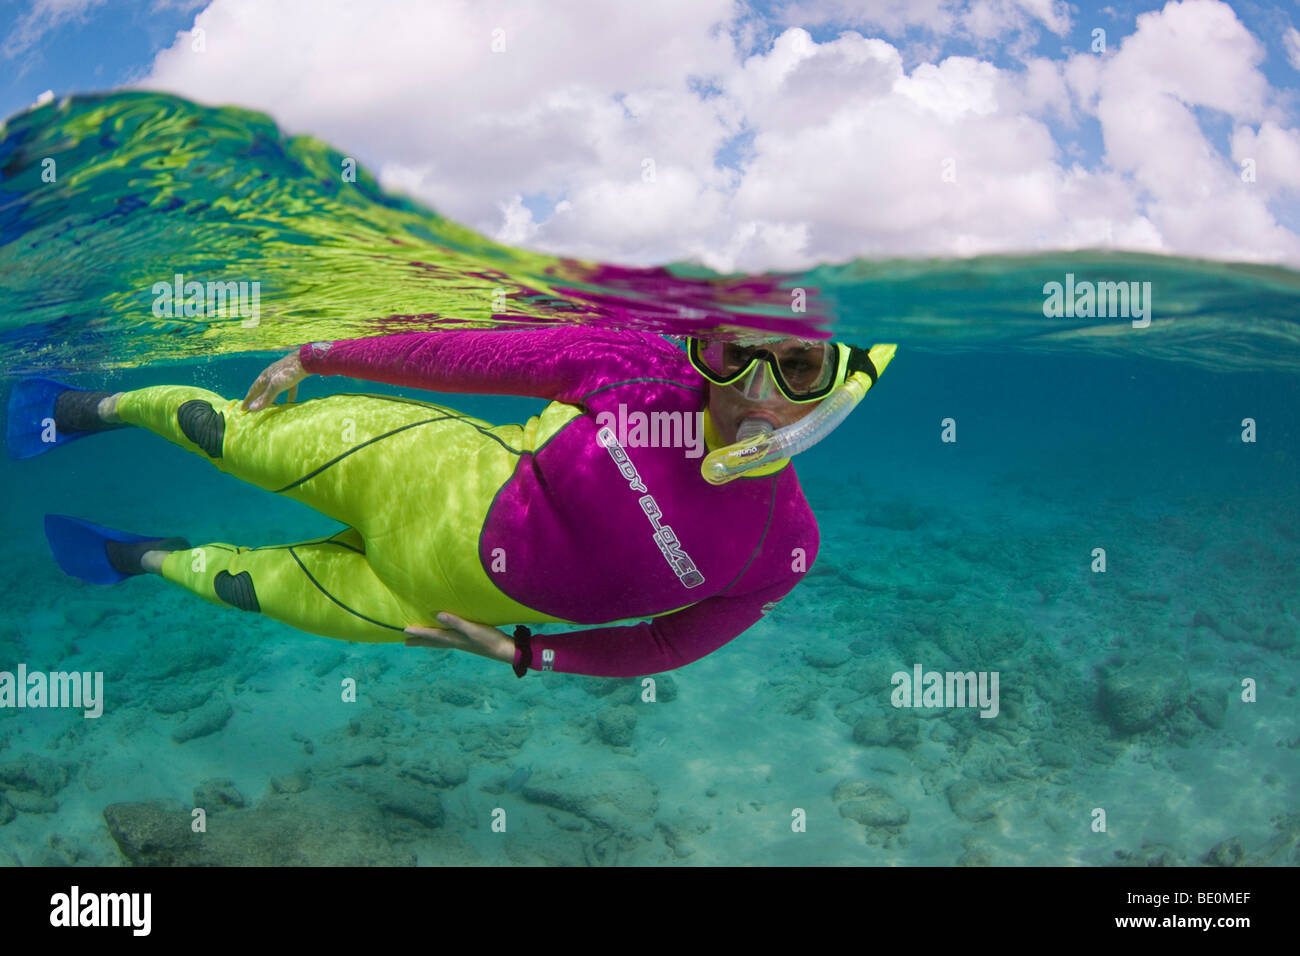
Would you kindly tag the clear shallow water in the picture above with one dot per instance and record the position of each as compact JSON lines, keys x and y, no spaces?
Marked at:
{"x":1072,"y":434}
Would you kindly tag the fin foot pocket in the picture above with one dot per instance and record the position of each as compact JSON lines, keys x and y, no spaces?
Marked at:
{"x":125,"y":556}
{"x":100,"y":555}
{"x":78,"y":411}
{"x":36,"y":404}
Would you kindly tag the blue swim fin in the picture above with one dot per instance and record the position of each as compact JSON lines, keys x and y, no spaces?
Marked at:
{"x":29,"y":427}
{"x":80,"y":548}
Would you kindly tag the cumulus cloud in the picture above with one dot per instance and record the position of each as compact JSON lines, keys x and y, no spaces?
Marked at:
{"x":1190,"y":55}
{"x":518,"y":228}
{"x":1271,"y":154}
{"x":988,"y":19}
{"x":620,"y":112}
{"x":891,"y":16}
{"x":1291,"y":43}
{"x":467,"y":104}
{"x":983,"y":19}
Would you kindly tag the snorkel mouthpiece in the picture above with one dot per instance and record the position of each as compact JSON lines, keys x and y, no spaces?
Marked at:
{"x":752,"y":427}
{"x":757,"y":444}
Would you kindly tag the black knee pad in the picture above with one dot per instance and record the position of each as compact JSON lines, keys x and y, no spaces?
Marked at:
{"x":203,"y":425}
{"x":236,"y":590}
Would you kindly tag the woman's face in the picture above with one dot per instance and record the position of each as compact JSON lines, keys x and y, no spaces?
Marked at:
{"x":728,"y":408}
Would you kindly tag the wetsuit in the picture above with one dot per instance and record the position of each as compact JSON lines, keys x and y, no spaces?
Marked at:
{"x":579,"y":516}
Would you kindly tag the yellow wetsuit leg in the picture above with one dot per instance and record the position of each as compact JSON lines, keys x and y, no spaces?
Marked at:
{"x":412,"y":479}
{"x":324,"y":586}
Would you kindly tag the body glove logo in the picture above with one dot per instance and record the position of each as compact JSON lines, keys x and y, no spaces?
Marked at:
{"x":664,"y":535}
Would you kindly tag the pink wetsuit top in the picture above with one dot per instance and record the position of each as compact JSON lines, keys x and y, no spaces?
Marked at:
{"x":600,"y":530}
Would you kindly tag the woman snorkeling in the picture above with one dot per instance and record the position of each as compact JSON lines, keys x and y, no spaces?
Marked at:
{"x":567,"y":519}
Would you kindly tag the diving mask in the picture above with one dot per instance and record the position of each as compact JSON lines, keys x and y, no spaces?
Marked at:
{"x":757,"y":444}
{"x":801,"y":370}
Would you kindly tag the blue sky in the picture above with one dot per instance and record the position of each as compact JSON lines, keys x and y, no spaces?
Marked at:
{"x":100,"y":47}
{"x":714,"y":74}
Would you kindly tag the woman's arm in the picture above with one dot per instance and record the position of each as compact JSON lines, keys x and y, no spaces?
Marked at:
{"x":457,"y":634}
{"x":652,"y":647}
{"x":558,"y":364}
{"x":284,"y":374}
{"x":660,"y":644}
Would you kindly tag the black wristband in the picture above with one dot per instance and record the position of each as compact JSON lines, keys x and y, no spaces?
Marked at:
{"x":523,"y":641}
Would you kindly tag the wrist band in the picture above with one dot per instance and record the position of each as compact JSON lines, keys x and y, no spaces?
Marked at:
{"x":523,"y":644}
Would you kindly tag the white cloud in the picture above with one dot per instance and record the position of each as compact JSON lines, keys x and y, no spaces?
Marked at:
{"x":1041,"y":89}
{"x":990,"y":19}
{"x":519,"y":227}
{"x":1291,"y":42}
{"x":1275,"y":153}
{"x":1053,"y":14}
{"x":983,"y":19}
{"x":799,"y":83}
{"x":420,"y":94}
{"x":1196,"y":51}
{"x":959,"y":86}
{"x":184,"y":6}
{"x":848,"y":152}
{"x":1194,"y":54}
{"x":891,"y":16}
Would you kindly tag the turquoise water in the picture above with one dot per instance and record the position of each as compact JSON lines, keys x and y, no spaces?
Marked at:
{"x":1119,"y":691}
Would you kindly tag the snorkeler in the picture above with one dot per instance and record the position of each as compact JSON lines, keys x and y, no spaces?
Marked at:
{"x":454,"y":520}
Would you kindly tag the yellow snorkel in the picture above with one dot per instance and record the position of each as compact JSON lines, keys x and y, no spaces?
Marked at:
{"x":758,"y":444}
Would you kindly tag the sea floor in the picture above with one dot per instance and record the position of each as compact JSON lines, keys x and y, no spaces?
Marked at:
{"x":1121,"y":738}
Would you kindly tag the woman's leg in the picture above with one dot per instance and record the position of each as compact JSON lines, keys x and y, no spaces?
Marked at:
{"x":324,"y":587}
{"x":343,"y":455}
{"x":415,"y":480}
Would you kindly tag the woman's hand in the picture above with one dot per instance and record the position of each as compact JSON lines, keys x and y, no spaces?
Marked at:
{"x":461,"y":635}
{"x":286,"y":373}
